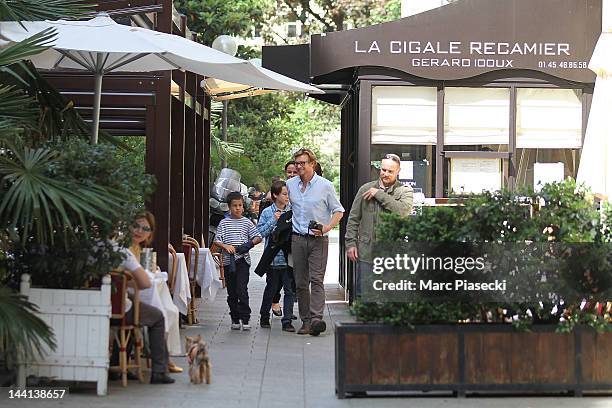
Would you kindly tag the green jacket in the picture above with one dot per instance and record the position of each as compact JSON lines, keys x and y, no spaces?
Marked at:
{"x":364,"y":215}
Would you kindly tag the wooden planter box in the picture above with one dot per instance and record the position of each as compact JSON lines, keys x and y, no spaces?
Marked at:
{"x":80,"y":320}
{"x":470,"y":357}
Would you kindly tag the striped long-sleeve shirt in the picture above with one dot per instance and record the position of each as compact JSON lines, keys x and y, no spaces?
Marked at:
{"x":236,"y":231}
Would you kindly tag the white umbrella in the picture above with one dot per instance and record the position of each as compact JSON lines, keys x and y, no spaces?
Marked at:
{"x":221,"y":90}
{"x":100,"y":46}
{"x":595,"y":168}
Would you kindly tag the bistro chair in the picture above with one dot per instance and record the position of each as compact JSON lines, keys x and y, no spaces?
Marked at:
{"x":189,"y":245}
{"x":121,"y":331}
{"x":217,"y":254}
{"x":173,"y":270}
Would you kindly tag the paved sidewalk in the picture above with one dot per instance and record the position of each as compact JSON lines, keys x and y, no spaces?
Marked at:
{"x":267,"y":368}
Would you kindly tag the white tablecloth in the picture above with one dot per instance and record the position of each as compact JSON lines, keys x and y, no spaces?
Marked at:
{"x":182,"y":292}
{"x":158,"y":295}
{"x":208,"y":276}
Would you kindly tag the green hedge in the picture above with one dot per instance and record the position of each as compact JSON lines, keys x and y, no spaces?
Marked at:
{"x":561,"y":212}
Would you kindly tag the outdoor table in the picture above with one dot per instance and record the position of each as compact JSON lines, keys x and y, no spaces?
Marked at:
{"x":158,"y":296}
{"x":208,"y":275}
{"x":181,"y":295}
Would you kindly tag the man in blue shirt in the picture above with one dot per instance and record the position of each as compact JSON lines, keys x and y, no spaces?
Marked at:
{"x":312,"y":198}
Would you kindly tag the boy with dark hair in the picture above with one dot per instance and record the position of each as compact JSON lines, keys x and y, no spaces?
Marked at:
{"x":237,"y":235}
{"x":272,"y":221}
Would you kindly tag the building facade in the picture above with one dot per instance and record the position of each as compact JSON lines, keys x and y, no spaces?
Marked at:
{"x":474,"y":95}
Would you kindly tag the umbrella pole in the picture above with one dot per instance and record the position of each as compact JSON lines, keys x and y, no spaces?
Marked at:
{"x":96,"y":108}
{"x":224,"y":131}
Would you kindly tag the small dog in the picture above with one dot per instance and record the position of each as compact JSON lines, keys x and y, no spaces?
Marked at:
{"x":199,"y":362}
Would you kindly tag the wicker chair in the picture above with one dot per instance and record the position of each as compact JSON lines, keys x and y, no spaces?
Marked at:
{"x":189,"y":245}
{"x":217,"y":254}
{"x":172,"y":271}
{"x":122,"y":332}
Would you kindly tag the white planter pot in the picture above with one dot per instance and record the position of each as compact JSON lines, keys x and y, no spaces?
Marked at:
{"x":80,"y":320}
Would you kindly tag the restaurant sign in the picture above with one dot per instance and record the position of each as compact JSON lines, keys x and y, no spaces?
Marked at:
{"x":472,"y":37}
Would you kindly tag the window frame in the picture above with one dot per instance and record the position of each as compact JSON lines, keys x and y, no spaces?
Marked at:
{"x":513,"y":84}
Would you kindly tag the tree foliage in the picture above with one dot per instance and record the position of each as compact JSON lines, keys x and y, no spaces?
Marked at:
{"x":269,"y":127}
{"x":391,"y":10}
{"x":272,"y":127}
{"x":211,"y":18}
{"x":336,"y":15}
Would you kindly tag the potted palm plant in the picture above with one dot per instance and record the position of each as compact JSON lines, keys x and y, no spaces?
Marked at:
{"x":19,"y":324}
{"x":61,"y":200}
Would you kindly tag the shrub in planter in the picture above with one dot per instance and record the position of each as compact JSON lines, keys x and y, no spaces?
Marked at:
{"x":561,"y":212}
{"x":44,"y":212}
{"x":60,"y":206}
{"x":31,"y":332}
{"x":77,"y":249}
{"x":468,"y":345}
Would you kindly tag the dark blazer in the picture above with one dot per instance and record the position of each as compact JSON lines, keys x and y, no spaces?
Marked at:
{"x":280,"y":239}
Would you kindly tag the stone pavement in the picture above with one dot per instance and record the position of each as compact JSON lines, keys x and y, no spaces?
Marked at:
{"x":267,"y":368}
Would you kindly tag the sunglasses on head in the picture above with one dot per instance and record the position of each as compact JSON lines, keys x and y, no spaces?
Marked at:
{"x":393,"y":157}
{"x":307,"y":152}
{"x":143,"y":228}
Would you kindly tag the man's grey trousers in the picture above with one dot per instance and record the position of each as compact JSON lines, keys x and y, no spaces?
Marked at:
{"x":309,"y":264}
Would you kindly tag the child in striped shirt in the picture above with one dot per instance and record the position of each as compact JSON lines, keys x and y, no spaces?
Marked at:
{"x":237,"y":235}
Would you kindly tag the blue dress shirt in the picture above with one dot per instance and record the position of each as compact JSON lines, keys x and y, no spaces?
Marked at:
{"x":318,"y":202}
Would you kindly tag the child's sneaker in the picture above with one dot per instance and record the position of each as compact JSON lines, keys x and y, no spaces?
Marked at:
{"x":246,"y":326}
{"x":264,"y":323}
{"x":236,"y":325}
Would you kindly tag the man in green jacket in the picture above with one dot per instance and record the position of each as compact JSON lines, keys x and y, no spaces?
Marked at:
{"x":384,"y":195}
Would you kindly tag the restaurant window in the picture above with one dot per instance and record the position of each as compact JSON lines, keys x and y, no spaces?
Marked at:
{"x":548,"y":135}
{"x":476,"y":120}
{"x":404,"y":115}
{"x":404,"y":122}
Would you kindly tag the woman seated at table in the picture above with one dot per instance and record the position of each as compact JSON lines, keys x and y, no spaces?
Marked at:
{"x":150,"y":317}
{"x":143,"y":230}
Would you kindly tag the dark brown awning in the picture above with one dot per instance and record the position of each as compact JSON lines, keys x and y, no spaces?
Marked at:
{"x":290,"y":60}
{"x":461,"y":40}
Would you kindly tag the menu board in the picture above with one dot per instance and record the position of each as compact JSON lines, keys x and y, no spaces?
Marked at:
{"x":475,"y":175}
{"x":406,"y":170}
{"x":413,"y":174}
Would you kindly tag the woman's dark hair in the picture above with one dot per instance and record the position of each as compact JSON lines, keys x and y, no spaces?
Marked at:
{"x":234,"y":195}
{"x":289,"y":163}
{"x":276,"y":188}
{"x":318,"y":169}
